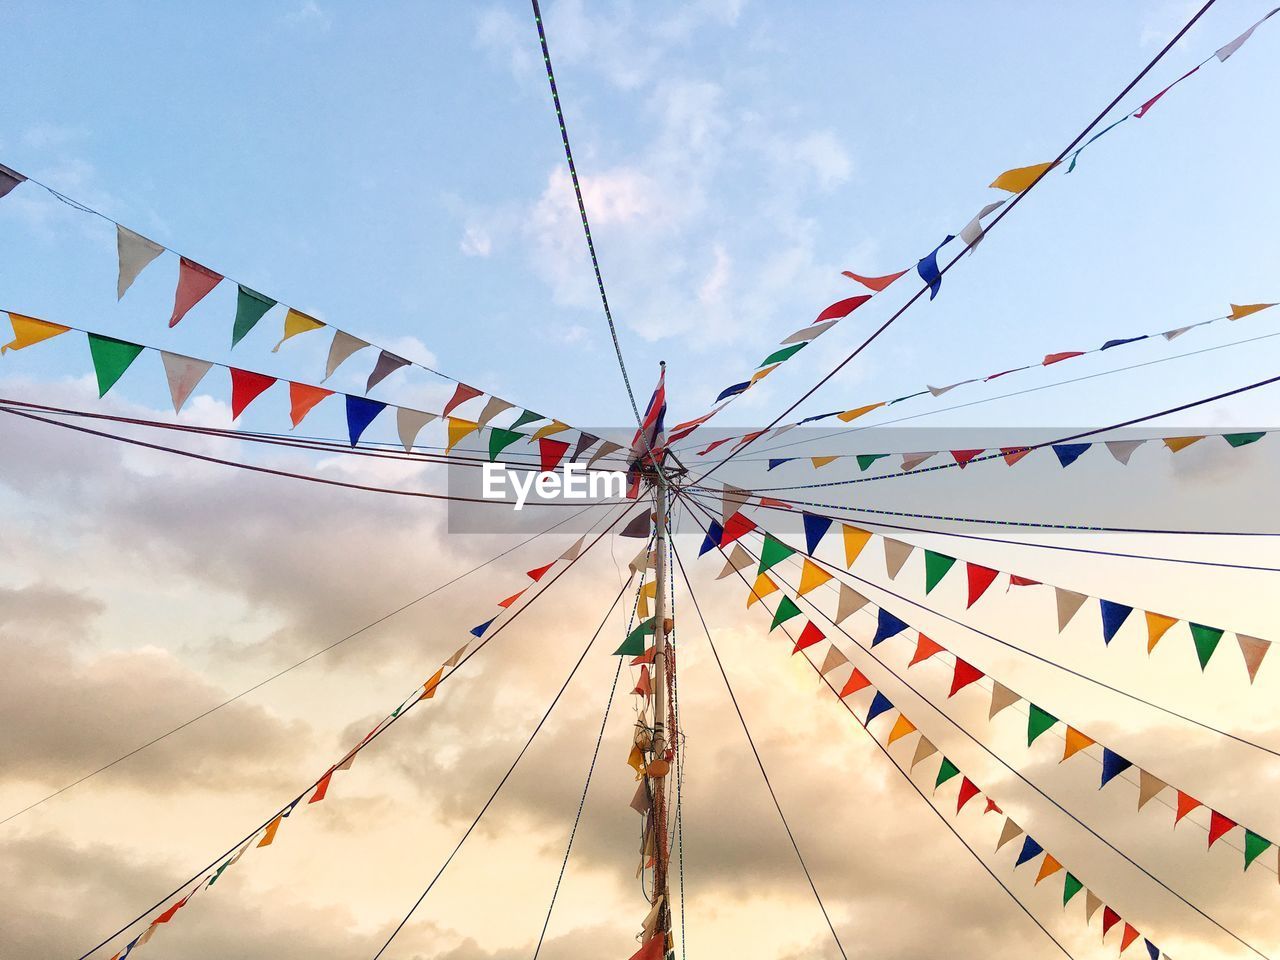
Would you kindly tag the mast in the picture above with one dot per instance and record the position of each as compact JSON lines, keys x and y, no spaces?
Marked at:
{"x":662,"y":737}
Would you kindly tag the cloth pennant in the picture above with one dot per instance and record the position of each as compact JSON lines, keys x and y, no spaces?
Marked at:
{"x":810,"y":333}
{"x":251,"y":306}
{"x":873,"y":283}
{"x":1001,"y":697}
{"x":812,"y":576}
{"x":833,"y":660}
{"x":928,"y":268}
{"x":9,"y":178}
{"x":1012,"y":455}
{"x":946,"y":771}
{"x":1206,"y":641}
{"x":526,"y":417}
{"x":28,"y":331}
{"x":972,"y":233}
{"x":1068,"y":603}
{"x":1130,"y":935}
{"x":1243,"y":439}
{"x":761,"y":589}
{"x":246,"y":386}
{"x":819,"y":462}
{"x":1146,"y":107}
{"x":887,"y":625}
{"x":901,"y":727}
{"x":1157,"y":625}
{"x":302,"y":397}
{"x":848,"y":416}
{"x":778,"y":356}
{"x":111,"y":358}
{"x":895,"y":555}
{"x":478,"y":630}
{"x":341,"y":348}
{"x":387,"y":364}
{"x":1219,"y":825}
{"x":360,"y":413}
{"x":194,"y":284}
{"x":1153,"y":952}
{"x":1149,"y":787}
{"x":840,"y":309}
{"x":1010,"y":831}
{"x":1048,"y":867}
{"x":1020,"y":178}
{"x":854,"y":541}
{"x":732,"y":500}
{"x":1070,"y":887}
{"x":857,"y":681}
{"x":1030,"y":850}
{"x":585,"y":442}
{"x":912,"y":460}
{"x":968,"y":790}
{"x":183,"y":375}
{"x":409,"y":424}
{"x":773,"y":552}
{"x":925,"y":648}
{"x":924,"y":750}
{"x":936,"y":566}
{"x":1112,"y":766}
{"x":1181,"y":443}
{"x":1091,"y":904}
{"x":296,"y":322}
{"x":1109,"y":919}
{"x":736,"y":527}
{"x":1255,"y":846}
{"x":1186,"y":803}
{"x":980,"y":578}
{"x":1253,"y":650}
{"x":1122,"y":450}
{"x":808,"y":637}
{"x":1038,"y":721}
{"x":1243,"y":310}
{"x":494,"y":406}
{"x":1222,"y":53}
{"x":604,"y":450}
{"x":1052,"y":358}
{"x":712,"y":539}
{"x":1073,"y":742}
{"x":1113,"y":617}
{"x":511,"y":599}
{"x":1069,"y":453}
{"x":786,"y":610}
{"x":554,"y":427}
{"x":963,"y":675}
{"x":815,"y":528}
{"x":851,"y":601}
{"x":962,"y":457}
{"x":1017,"y":581}
{"x":462,"y":393}
{"x":134,"y":252}
{"x":738,"y":560}
{"x":458,"y":430}
{"x":500,"y":439}
{"x":550,"y":453}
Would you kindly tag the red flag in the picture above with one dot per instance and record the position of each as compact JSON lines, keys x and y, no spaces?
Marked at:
{"x":194,"y":283}
{"x":962,"y":457}
{"x":302,"y":397}
{"x":1130,"y":935}
{"x":168,"y":914}
{"x":968,"y":790}
{"x":925,"y":648}
{"x":644,"y":688}
{"x":322,"y":787}
{"x":965,"y":674}
{"x":1109,"y":919}
{"x":808,"y":637}
{"x":1142,"y":110}
{"x":738,"y":526}
{"x":980,"y":578}
{"x":512,"y":599}
{"x":1059,"y":357}
{"x":551,"y":452}
{"x":770,"y":502}
{"x":874,"y":283}
{"x":651,"y":950}
{"x":461,"y":395}
{"x":1218,"y":825}
{"x":842,"y":308}
{"x":245,"y":388}
{"x":856,"y":682}
{"x":992,"y":807}
{"x":537,"y":572}
{"x":1017,"y":581}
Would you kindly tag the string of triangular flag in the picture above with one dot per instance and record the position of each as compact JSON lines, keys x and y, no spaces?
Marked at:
{"x":111,"y":357}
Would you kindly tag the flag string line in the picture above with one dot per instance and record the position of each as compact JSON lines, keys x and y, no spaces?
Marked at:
{"x":847,"y":574}
{"x":1017,"y":773}
{"x":679,"y":731}
{"x":197,"y":876}
{"x":981,"y":862}
{"x":756,"y":753}
{"x":280,"y":673}
{"x":880,"y":524}
{"x":514,"y":763}
{"x":830,"y":585}
{"x":1004,"y":212}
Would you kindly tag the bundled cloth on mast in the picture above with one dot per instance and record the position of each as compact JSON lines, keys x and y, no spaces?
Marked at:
{"x":648,"y":445}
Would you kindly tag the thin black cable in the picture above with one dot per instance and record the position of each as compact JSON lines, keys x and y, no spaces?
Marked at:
{"x":759,"y":763}
{"x":905,"y":775}
{"x":512,"y":769}
{"x":276,"y":676}
{"x":1004,"y":212}
{"x":938,"y":710}
{"x":489,"y":637}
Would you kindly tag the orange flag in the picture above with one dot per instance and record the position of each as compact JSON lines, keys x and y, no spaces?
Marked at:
{"x":1157,"y":625}
{"x":812,"y":576}
{"x":854,"y":541}
{"x":856,"y":682}
{"x":29,"y":330}
{"x":1048,"y":867}
{"x":1075,"y":742}
{"x":302,"y":397}
{"x":901,"y":728}
{"x":873,"y":283}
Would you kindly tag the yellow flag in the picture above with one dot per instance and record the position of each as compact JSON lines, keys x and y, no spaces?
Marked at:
{"x":849,"y":415}
{"x":1180,"y":443}
{"x":812,"y":576}
{"x":1157,"y":625}
{"x":642,"y":606}
{"x":459,"y":429}
{"x":821,"y":461}
{"x":1075,"y":742}
{"x":429,"y":688}
{"x":555,"y":426}
{"x":650,"y":589}
{"x":1239,"y":310}
{"x":854,"y":541}
{"x":764,"y":586}
{"x":761,"y":374}
{"x":296,"y":322}
{"x":1019,"y":178}
{"x":901,"y":728}
{"x":29,"y":330}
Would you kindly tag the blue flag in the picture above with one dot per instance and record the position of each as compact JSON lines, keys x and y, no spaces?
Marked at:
{"x":360,"y":413}
{"x":815,"y":528}
{"x":1112,"y":766}
{"x":928,"y":268}
{"x":887,"y":626}
{"x":1113,"y":615}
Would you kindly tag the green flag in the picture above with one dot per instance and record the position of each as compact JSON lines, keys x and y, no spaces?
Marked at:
{"x":936,"y":566}
{"x":250,"y":307}
{"x":1254,"y":847}
{"x":1070,"y":887}
{"x":500,"y":439}
{"x":1242,"y":439}
{"x":633,"y":646}
{"x":773,"y":552}
{"x":111,"y":358}
{"x":1038,"y":721}
{"x":867,"y":459}
{"x":945,"y":772}
{"x":527,"y":417}
{"x":1206,"y":639}
{"x":786,"y":610}
{"x":783,"y":354}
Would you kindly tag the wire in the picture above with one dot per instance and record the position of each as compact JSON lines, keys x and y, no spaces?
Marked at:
{"x":512,"y":769}
{"x":1004,"y":212}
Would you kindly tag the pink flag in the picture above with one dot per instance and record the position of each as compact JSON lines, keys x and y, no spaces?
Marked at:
{"x":194,"y":283}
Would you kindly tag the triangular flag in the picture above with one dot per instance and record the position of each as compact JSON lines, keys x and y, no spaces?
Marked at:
{"x":1020,"y":178}
{"x":302,"y":397}
{"x":874,"y":283}
{"x":928,"y":268}
{"x":964,"y":675}
{"x":1068,"y":603}
{"x":815,"y":528}
{"x":738,"y":560}
{"x":1038,"y":721}
{"x":854,"y":541}
{"x":851,"y":601}
{"x":712,"y":539}
{"x":1070,"y":887}
{"x":29,"y":330}
{"x":736,"y":527}
{"x":808,"y":637}
{"x":761,"y":589}
{"x":1030,"y":850}
{"x":1008,"y":832}
{"x":946,"y":771}
{"x":500,"y":439}
{"x":387,"y":364}
{"x":246,"y":386}
{"x":550,"y":453}
{"x":360,"y":413}
{"x":912,"y":460}
{"x":936,"y":566}
{"x":1048,"y":867}
{"x":901,"y":727}
{"x":527,"y":416}
{"x":1255,"y":846}
{"x":773,"y":552}
{"x":786,"y":610}
{"x":1206,"y":641}
{"x":1001,"y":697}
{"x":409,"y":423}
{"x":478,"y":631}
{"x":812,"y":576}
{"x":492,"y":407}
{"x":574,"y":550}
{"x":296,"y":322}
{"x":1122,"y":450}
{"x":1153,"y":952}
{"x":1253,"y":650}
{"x":1243,"y":439}
{"x":732,"y":500}
{"x":1113,"y":616}
{"x":183,"y":375}
{"x":1180,"y":443}
{"x":879,"y":704}
{"x":924,"y":750}
{"x":1112,"y":766}
{"x":979,"y":579}
{"x":1069,"y":453}
{"x":839,"y":310}
{"x":194,"y":283}
{"x":857,"y":681}
{"x":585,"y":442}
{"x":111,"y":358}
{"x":1130,"y":935}
{"x":251,"y":306}
{"x":505,"y":604}
{"x":1074,"y":742}
{"x":135,"y":253}
{"x":834,"y":659}
{"x":895,"y":555}
{"x":458,"y":429}
{"x":1186,"y":803}
{"x":1091,"y":904}
{"x":457,"y":655}
{"x":968,"y":790}
{"x":1149,"y":787}
{"x":10,"y":178}
{"x":1157,"y":625}
{"x":537,"y":573}
{"x":429,"y":687}
{"x":342,"y":347}
{"x":887,"y":625}
{"x":1013,"y":454}
{"x":821,"y":461}
{"x":461,"y":394}
{"x":865,"y":460}
{"x":925,"y":648}
{"x":1218,"y":826}
{"x":1239,"y":310}
{"x":547,"y":430}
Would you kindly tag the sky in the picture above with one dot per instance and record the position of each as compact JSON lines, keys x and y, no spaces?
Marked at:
{"x":396,"y":170}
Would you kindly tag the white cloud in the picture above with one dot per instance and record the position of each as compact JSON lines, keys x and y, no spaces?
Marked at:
{"x":476,"y":242}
